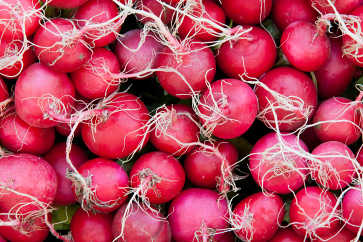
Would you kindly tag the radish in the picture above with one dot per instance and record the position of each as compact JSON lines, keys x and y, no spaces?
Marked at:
{"x":304,"y":46}
{"x":342,"y":6}
{"x":141,"y":224}
{"x":209,"y":213}
{"x":228,"y":108}
{"x":65,"y":4}
{"x":64,"y":129}
{"x":165,"y":14}
{"x":18,"y":136}
{"x":333,"y":166}
{"x":359,"y":157}
{"x":287,"y":93}
{"x":276,"y":165}
{"x":91,"y":227}
{"x":310,"y":138}
{"x":101,"y":21}
{"x":203,"y":167}
{"x":336,"y":119}
{"x":41,"y":94}
{"x":342,"y":235}
{"x":2,"y":239}
{"x":352,"y":208}
{"x":257,"y":217}
{"x":247,"y":12}
{"x":336,"y":74}
{"x":313,"y":213}
{"x":121,"y":128}
{"x":285,"y":12}
{"x":157,"y":177}
{"x":107,"y":185}
{"x":95,"y":78}
{"x":286,"y":235}
{"x":250,"y":56}
{"x":59,"y":45}
{"x":175,"y":130}
{"x":57,"y":158}
{"x":4,"y":97}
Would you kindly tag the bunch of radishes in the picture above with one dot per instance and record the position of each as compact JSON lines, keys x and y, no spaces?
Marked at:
{"x":181,"y":120}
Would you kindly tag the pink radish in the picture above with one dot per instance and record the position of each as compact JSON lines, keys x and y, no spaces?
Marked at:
{"x":64,"y":129}
{"x":66,"y":4}
{"x":276,"y":165}
{"x":87,"y":227}
{"x":342,"y":6}
{"x":4,"y":94}
{"x":304,"y":46}
{"x":288,"y":93}
{"x":156,"y":8}
{"x":209,"y":214}
{"x":41,"y":94}
{"x":2,"y":239}
{"x":57,"y":158}
{"x":248,"y":57}
{"x":257,"y":217}
{"x":341,"y":235}
{"x":59,"y":45}
{"x":286,"y":235}
{"x":228,"y":108}
{"x":352,"y":208}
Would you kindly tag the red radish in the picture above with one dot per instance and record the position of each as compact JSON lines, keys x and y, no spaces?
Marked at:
{"x":290,"y":94}
{"x":57,"y":158}
{"x":136,"y":53}
{"x":352,"y":205}
{"x":18,"y":136}
{"x":247,"y":12}
{"x":228,"y":108}
{"x":66,"y":4}
{"x":107,"y":180}
{"x":312,"y":212}
{"x":18,"y":18}
{"x":41,"y":93}
{"x":189,"y":28}
{"x":2,"y":239}
{"x":336,"y":74}
{"x":285,"y":12}
{"x":359,"y":157}
{"x":333,"y":166}
{"x":140,"y":225}
{"x":304,"y":46}
{"x":95,"y":78}
{"x":276,"y":165}
{"x":175,"y":130}
{"x":99,"y":12}
{"x":209,"y":214}
{"x":257,"y":217}
{"x":59,"y":45}
{"x":156,"y":8}
{"x":286,"y":235}
{"x":342,"y":235}
{"x":157,"y":176}
{"x":87,"y":227}
{"x":248,"y":57}
{"x":339,"y":119}
{"x":342,"y":6}
{"x":203,"y":166}
{"x":121,"y":130}
{"x":310,"y":138}
{"x":197,"y":66}
{"x":4,"y":94}
{"x":64,"y":129}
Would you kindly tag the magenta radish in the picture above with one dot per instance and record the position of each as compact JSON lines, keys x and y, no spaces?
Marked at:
{"x":228,"y":108}
{"x":137,"y":52}
{"x":209,"y":213}
{"x":156,"y":8}
{"x":175,"y":130}
{"x":288,"y":93}
{"x":352,"y":208}
{"x":59,"y":45}
{"x":333,"y":165}
{"x":341,"y":235}
{"x":157,"y":177}
{"x":285,"y":12}
{"x":203,"y":166}
{"x":286,"y":235}
{"x":276,"y":165}
{"x":359,"y":157}
{"x":18,"y":136}
{"x":41,"y":94}
{"x":304,"y":46}
{"x":141,"y":224}
{"x":197,"y":66}
{"x":247,"y":12}
{"x":107,"y":185}
{"x":66,"y":4}
{"x":257,"y":217}
{"x":248,"y":57}
{"x":93,"y":15}
{"x":2,"y":239}
{"x":312,"y":212}
{"x":4,"y":94}
{"x":87,"y":227}
{"x":95,"y":79}
{"x":336,"y":119}
{"x":57,"y":158}
{"x":342,"y":6}
{"x":121,"y":129}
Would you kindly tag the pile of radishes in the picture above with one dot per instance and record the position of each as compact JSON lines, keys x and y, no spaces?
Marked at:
{"x":181,"y":120}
